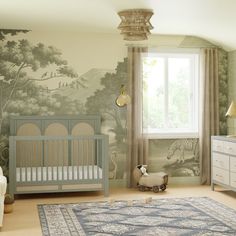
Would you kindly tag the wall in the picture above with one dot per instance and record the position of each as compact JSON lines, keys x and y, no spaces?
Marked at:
{"x":232,"y":91}
{"x":54,"y":73}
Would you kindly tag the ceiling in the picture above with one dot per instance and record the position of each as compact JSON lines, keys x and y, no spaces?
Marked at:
{"x":214,"y":20}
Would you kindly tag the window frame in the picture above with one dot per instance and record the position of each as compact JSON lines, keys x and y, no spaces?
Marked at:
{"x":193,"y":54}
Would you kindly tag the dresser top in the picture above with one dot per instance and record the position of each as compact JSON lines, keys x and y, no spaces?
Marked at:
{"x":225,"y":138}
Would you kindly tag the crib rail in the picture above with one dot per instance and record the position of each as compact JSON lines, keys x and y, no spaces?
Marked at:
{"x":57,"y":161}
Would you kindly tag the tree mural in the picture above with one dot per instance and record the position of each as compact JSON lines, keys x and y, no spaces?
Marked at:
{"x":22,"y":66}
{"x":103,"y":102}
{"x":19,"y":62}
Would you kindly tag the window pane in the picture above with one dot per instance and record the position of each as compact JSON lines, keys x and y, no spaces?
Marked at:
{"x":170,"y":93}
{"x":153,"y":92}
{"x":179,"y":90}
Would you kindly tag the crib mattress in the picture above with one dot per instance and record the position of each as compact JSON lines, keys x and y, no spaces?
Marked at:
{"x":53,"y":173}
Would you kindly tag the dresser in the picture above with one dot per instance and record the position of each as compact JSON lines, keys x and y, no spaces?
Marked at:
{"x":223,"y":162}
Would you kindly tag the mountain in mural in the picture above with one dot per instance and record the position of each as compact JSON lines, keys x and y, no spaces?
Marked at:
{"x":84,"y":86}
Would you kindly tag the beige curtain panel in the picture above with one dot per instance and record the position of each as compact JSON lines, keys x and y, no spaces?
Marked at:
{"x":137,"y":144}
{"x":209,"y":120}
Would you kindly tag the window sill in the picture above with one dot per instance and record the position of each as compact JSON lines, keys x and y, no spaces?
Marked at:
{"x":171,"y":135}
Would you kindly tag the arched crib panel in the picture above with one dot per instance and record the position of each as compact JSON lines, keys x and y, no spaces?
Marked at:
{"x":25,"y":150}
{"x":56,"y":152}
{"x":85,"y":147}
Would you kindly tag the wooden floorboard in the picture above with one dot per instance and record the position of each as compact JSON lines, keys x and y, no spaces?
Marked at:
{"x":24,"y":219}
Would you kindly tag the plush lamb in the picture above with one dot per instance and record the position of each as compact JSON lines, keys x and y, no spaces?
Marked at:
{"x":146,"y":181}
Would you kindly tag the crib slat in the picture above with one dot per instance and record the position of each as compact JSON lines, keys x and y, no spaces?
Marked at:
{"x":53,"y":151}
{"x":58,"y":158}
{"x":31,"y":162}
{"x":72,"y":159}
{"x":36,"y":154}
{"x":46,"y":152}
{"x":67,"y":166}
{"x":20,"y":174}
{"x":62,"y":167}
{"x":92,"y":159}
{"x":97,"y":159}
{"x":87,"y":158}
{"x":82,"y":155}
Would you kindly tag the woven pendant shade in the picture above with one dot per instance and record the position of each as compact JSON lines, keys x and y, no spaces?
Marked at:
{"x":135,"y":24}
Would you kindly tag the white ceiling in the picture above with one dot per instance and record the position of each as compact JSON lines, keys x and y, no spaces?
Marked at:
{"x":214,"y":20}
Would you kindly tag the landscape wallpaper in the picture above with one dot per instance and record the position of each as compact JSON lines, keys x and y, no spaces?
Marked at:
{"x":57,"y":74}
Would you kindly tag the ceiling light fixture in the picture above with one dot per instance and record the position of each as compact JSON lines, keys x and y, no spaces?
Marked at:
{"x":135,"y":24}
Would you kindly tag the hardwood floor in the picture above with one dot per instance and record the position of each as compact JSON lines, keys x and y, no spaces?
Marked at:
{"x":24,"y":219}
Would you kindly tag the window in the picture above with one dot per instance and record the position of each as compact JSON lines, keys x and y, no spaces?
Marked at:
{"x":170,"y":94}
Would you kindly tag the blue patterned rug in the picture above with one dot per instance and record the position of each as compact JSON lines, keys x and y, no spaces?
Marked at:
{"x":180,"y":216}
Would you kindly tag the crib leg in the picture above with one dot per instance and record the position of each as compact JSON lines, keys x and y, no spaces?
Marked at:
{"x":106,"y":188}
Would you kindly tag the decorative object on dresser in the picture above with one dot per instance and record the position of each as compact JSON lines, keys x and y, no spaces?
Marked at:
{"x":232,"y":114}
{"x":57,"y":154}
{"x":223,"y":162}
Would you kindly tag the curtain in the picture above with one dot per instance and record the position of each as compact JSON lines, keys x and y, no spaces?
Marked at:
{"x":137,"y":143}
{"x":209,"y":121}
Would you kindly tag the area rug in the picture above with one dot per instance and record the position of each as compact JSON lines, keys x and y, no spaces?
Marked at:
{"x":179,"y":216}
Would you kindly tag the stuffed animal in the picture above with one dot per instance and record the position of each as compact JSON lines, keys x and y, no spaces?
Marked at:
{"x":150,"y":181}
{"x":143,"y":169}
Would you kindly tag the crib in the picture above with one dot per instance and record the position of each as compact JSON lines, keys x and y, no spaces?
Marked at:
{"x":57,"y":154}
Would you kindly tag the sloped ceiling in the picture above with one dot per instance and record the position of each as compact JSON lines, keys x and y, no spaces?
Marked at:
{"x":213,"y":20}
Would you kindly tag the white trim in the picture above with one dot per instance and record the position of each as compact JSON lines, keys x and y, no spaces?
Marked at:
{"x":169,"y":50}
{"x":193,"y":56}
{"x":171,"y":135}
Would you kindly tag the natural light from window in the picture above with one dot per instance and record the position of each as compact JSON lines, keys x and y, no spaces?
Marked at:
{"x":170,"y":93}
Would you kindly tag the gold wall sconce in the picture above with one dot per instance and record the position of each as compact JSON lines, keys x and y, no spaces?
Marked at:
{"x":123,"y":99}
{"x":135,"y":24}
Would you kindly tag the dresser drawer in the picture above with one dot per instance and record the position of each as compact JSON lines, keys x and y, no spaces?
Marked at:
{"x":233,"y":164}
{"x":229,"y":148}
{"x":233,"y":179}
{"x":217,"y":145}
{"x":220,"y":160}
{"x":222,"y":176}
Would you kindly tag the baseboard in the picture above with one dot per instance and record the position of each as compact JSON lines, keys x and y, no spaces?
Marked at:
{"x":113,"y":183}
{"x":184,"y":180}
{"x":117,"y":183}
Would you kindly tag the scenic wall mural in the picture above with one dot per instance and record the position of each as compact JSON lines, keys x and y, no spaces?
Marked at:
{"x":48,"y":73}
{"x":36,"y":79}
{"x":223,"y":90}
{"x":177,"y":157}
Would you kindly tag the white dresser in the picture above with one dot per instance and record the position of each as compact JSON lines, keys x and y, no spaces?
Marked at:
{"x":223,"y":162}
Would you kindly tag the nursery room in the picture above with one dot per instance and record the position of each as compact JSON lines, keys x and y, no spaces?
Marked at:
{"x":117,"y":117}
